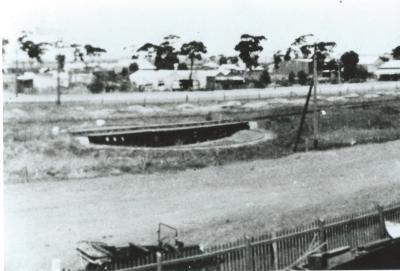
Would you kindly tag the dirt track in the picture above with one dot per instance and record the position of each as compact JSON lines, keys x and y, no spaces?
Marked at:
{"x":212,"y":205}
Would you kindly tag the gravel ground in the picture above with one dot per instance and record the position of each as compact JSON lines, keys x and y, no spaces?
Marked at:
{"x":45,"y":220}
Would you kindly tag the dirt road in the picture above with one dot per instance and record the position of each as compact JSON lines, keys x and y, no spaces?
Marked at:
{"x":44,"y":220}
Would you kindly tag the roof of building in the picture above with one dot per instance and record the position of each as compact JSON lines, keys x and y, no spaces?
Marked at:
{"x":227,"y":68}
{"x":392,"y":64}
{"x":26,"y":76}
{"x":211,"y":65}
{"x":142,"y":77}
{"x":387,"y":71}
{"x":142,"y":63}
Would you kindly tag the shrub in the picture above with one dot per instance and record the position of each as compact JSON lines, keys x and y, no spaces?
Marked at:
{"x":302,"y":78}
{"x":283,"y":82}
{"x":362,"y":73}
{"x":292,"y":78}
{"x":125,"y":72}
{"x":125,"y":86}
{"x":265,"y":78}
{"x":133,"y":67}
{"x":96,"y":86}
{"x":182,"y":66}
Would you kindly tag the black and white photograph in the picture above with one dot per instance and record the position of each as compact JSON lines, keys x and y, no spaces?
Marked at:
{"x":203,"y":135}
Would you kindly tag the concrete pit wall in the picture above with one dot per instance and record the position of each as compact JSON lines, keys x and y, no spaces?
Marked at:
{"x":164,"y":137}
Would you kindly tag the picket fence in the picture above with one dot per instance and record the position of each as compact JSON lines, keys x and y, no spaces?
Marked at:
{"x":279,"y":250}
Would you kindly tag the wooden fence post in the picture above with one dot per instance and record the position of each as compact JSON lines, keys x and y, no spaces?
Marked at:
{"x":158,"y":255}
{"x":349,"y":232}
{"x":248,"y":254}
{"x":322,"y":234}
{"x":382,"y":230}
{"x":275,"y":252}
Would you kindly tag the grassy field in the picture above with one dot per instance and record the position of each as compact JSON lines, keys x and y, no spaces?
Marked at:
{"x":45,"y":220}
{"x":119,"y":195}
{"x":32,"y":152}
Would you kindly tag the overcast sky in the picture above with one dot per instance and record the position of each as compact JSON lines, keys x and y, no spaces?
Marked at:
{"x":366,"y":26}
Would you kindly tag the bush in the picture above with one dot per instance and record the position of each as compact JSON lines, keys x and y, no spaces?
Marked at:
{"x":133,"y":67}
{"x":363,"y":74}
{"x":125,"y":86}
{"x":283,"y":82}
{"x":292,"y":78}
{"x":182,"y":66}
{"x":125,"y":72}
{"x":265,"y":78}
{"x":356,"y":80}
{"x":96,"y":86}
{"x":261,"y":82}
{"x":302,"y":78}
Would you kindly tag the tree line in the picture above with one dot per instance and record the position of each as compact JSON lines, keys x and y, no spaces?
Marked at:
{"x":166,"y":55}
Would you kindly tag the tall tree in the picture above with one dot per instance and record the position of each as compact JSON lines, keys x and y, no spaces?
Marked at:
{"x":350,"y":61}
{"x":248,"y":48}
{"x":277,"y":59}
{"x":302,"y":46}
{"x":166,"y":54}
{"x":396,"y":53}
{"x":193,"y":51}
{"x":33,"y":50}
{"x":94,"y":51}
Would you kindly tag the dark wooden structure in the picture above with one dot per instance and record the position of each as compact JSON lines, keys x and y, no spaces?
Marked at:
{"x":342,"y":242}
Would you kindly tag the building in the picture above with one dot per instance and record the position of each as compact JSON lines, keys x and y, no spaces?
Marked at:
{"x":369,"y":63}
{"x":295,"y":65}
{"x":25,"y":83}
{"x":389,"y":71}
{"x":160,"y":80}
{"x":30,"y":82}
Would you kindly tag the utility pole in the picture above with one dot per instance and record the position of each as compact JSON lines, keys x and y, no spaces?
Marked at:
{"x":16,"y":70}
{"x":315,"y":106}
{"x":58,"y":102}
{"x":60,"y":66}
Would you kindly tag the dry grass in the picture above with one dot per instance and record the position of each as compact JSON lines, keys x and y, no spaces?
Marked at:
{"x":212,"y":196}
{"x":211,"y":205}
{"x":63,"y":157}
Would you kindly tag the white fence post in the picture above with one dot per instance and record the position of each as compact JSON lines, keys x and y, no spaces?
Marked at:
{"x":158,"y":255}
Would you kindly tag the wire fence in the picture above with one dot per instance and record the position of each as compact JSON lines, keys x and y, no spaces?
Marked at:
{"x":154,"y":98}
